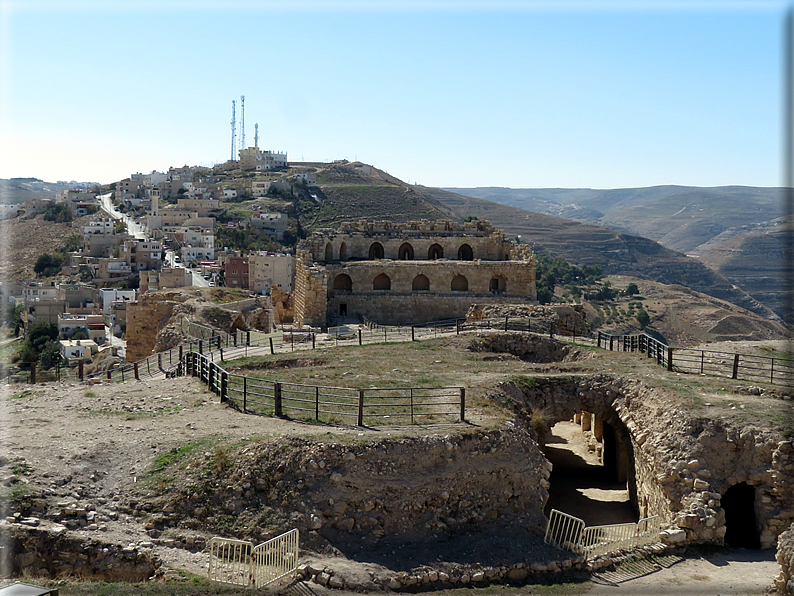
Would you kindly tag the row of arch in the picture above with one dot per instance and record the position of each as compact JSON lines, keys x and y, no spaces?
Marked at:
{"x":404,"y":253}
{"x":420,"y":283}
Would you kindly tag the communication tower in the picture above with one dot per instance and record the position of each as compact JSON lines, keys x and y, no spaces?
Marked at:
{"x":242,"y":122}
{"x":234,"y":131}
{"x":256,"y":135}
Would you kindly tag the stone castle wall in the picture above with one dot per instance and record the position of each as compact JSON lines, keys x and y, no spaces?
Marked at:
{"x":145,"y":318}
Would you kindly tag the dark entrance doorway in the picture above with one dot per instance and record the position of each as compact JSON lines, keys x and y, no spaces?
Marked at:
{"x":739,"y":505}
{"x":343,"y":310}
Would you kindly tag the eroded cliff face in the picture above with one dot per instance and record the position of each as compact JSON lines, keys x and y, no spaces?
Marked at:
{"x":681,"y":466}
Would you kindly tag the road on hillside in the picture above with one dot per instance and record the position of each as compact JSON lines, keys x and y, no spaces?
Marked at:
{"x":133,"y":227}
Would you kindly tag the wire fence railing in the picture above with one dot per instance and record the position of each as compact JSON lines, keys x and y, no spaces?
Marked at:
{"x":370,"y":406}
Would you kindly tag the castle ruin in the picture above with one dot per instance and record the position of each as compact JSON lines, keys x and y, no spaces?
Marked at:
{"x":408,"y":273}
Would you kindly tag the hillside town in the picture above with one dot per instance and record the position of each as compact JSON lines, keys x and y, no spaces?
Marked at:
{"x":158,"y":231}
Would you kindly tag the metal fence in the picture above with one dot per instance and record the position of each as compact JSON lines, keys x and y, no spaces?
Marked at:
{"x":777,"y":371}
{"x":401,"y":405}
{"x":240,"y":563}
{"x":569,"y":533}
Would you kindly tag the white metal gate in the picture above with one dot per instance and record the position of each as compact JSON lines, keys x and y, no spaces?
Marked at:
{"x":240,"y":563}
{"x":569,"y":533}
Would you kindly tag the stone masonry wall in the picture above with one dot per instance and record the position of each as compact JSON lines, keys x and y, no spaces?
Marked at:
{"x":311,"y":290}
{"x":682,"y":464}
{"x":784,"y":582}
{"x":145,"y":318}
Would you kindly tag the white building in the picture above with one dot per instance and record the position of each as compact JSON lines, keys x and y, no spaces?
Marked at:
{"x":77,"y":349}
{"x":273,"y":224}
{"x":267,"y":270}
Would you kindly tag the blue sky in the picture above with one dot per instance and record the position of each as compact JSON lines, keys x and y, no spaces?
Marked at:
{"x":519,"y":94}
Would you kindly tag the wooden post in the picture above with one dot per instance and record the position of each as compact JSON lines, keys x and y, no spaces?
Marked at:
{"x":245,"y":393}
{"x":80,"y":369}
{"x":210,"y":375}
{"x":33,"y":373}
{"x":180,"y":353}
{"x":148,"y":371}
{"x":361,"y":407}
{"x":277,"y":399}
{"x":122,"y":374}
{"x":359,"y":335}
{"x":384,"y":334}
{"x":611,"y":343}
{"x":669,"y":358}
{"x":224,"y":386}
{"x":735,"y":374}
{"x":314,"y":337}
{"x":159,"y":360}
{"x":316,"y":403}
{"x":462,"y":404}
{"x":772,"y":371}
{"x":201,"y":346}
{"x":110,"y":375}
{"x":413,"y":336}
{"x":221,"y":352}
{"x":506,"y":324}
{"x":457,"y":327}
{"x":272,"y":351}
{"x":248,"y":338}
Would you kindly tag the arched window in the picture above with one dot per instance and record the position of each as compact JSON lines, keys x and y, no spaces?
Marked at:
{"x":375,"y":251}
{"x":343,"y":282}
{"x":329,"y":252}
{"x":420,"y":284}
{"x":406,"y":252}
{"x":459,"y":284}
{"x":381,"y":282}
{"x":465,"y":253}
{"x":497,"y":285}
{"x":435,"y":252}
{"x":343,"y":252}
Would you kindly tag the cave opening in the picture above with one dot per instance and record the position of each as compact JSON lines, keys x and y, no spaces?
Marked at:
{"x":741,"y":528}
{"x":593,"y":470}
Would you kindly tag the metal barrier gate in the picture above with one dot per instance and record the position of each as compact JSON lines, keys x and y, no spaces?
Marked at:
{"x":569,"y":533}
{"x":240,"y":563}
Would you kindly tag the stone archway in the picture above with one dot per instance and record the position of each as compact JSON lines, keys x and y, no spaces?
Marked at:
{"x":435,"y":252}
{"x":342,"y":282}
{"x":376,"y":251}
{"x":459,"y":284}
{"x":406,"y":252}
{"x":381,"y":282}
{"x":329,"y":252}
{"x":343,"y":252}
{"x":420,"y":284}
{"x":465,"y":253}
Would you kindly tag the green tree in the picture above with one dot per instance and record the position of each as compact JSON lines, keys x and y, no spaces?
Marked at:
{"x":72,"y":243}
{"x":58,"y":212}
{"x":643,"y":318}
{"x":631,"y":290}
{"x":50,"y":355}
{"x":48,"y":265}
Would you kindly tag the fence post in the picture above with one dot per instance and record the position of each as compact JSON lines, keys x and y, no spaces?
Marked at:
{"x":33,"y":373}
{"x":122,"y":374}
{"x":316,"y":403}
{"x":224,"y":386}
{"x":611,"y":342}
{"x":506,"y":323}
{"x":272,"y":351}
{"x":135,"y":369}
{"x":413,"y":337}
{"x":80,"y":369}
{"x":384,"y":334}
{"x":314,"y":337}
{"x":669,"y":358}
{"x":148,"y":370}
{"x":201,"y":346}
{"x":735,"y":366}
{"x":180,"y":353}
{"x":110,"y":375}
{"x":210,"y":375}
{"x":457,"y":327}
{"x":462,"y":404}
{"x":159,"y":360}
{"x":772,"y":371}
{"x":361,"y":407}
{"x":359,"y":335}
{"x":248,"y":338}
{"x":412,"y":405}
{"x":245,"y":393}
{"x":221,"y":352}
{"x":277,"y":399}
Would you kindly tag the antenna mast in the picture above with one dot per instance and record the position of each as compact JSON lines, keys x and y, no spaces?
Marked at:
{"x":234,"y":131}
{"x":256,"y":135}
{"x":242,"y":122}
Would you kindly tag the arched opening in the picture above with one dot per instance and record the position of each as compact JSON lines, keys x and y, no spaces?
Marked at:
{"x":465,"y":253}
{"x":592,"y":480}
{"x":421,"y":284}
{"x":497,"y":285}
{"x":343,"y":252}
{"x":406,"y":252}
{"x":435,"y":252}
{"x":375,"y":251}
{"x":343,"y":282}
{"x":740,"y":524}
{"x":381,"y":282}
{"x":459,"y":284}
{"x":329,"y":252}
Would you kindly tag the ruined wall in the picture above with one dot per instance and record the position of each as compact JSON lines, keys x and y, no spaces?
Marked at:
{"x":311,"y":290}
{"x":784,"y":582}
{"x":683,"y":465}
{"x":145,"y":318}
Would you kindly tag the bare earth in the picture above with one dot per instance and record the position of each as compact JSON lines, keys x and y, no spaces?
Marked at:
{"x":91,"y":444}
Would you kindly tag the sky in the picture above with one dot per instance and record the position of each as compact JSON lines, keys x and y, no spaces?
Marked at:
{"x":515,"y":93}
